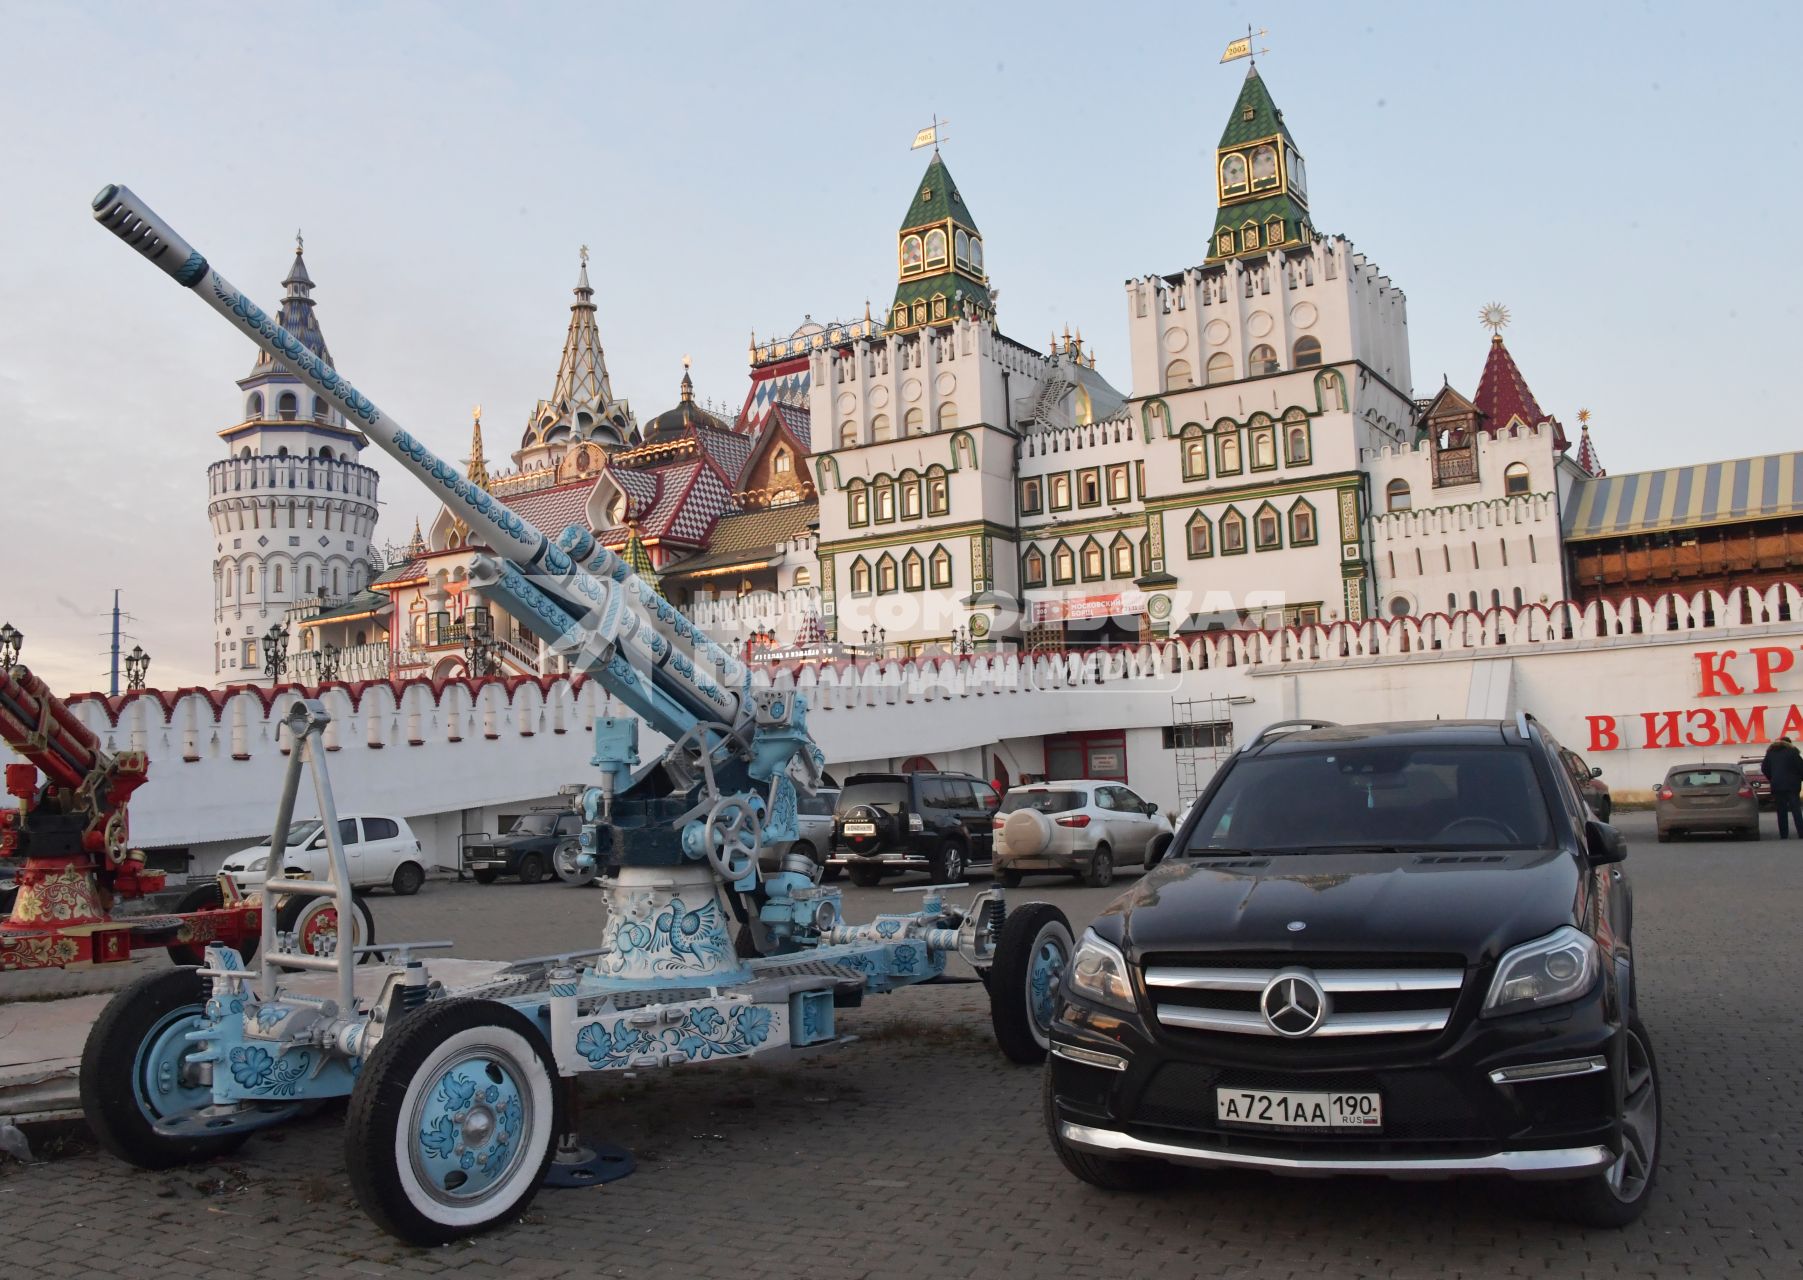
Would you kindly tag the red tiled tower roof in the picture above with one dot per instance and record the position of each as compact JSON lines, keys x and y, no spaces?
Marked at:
{"x":1503,"y":396}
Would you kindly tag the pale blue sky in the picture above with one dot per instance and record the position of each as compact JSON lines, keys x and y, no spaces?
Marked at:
{"x":1623,"y":176}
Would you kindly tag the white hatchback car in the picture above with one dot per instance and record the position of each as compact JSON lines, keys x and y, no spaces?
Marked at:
{"x":1080,"y":827}
{"x":383,"y":854}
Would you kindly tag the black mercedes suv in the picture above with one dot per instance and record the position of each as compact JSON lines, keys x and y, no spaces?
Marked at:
{"x":1397,"y":949}
{"x":940,"y":823}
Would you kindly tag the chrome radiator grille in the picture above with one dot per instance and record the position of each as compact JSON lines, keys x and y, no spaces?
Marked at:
{"x":1298,"y":999}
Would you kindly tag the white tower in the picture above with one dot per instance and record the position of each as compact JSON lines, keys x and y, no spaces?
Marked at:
{"x":293,"y":510}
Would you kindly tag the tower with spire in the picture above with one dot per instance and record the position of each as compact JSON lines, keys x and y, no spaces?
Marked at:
{"x":1259,"y":178}
{"x":582,"y":405}
{"x":939,"y":257}
{"x":292,"y":508}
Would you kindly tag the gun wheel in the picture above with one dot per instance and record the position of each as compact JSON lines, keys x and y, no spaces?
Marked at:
{"x":453,"y":1121}
{"x":137,"y":1068}
{"x":1031,"y":955}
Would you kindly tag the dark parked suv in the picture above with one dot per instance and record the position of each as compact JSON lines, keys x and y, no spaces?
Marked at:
{"x":530,"y":849}
{"x":940,"y":823}
{"x":1398,"y":949}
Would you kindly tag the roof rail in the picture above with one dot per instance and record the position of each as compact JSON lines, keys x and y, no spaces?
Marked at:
{"x":1276,"y":725}
{"x":1522,"y":720}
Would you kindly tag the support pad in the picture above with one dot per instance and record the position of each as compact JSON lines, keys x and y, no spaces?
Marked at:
{"x":580,"y":1164}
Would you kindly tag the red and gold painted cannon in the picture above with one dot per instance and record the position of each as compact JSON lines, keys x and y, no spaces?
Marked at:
{"x":70,"y":833}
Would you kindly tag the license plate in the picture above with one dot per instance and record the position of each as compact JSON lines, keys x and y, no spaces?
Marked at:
{"x":860,"y":828}
{"x":1299,"y":1110}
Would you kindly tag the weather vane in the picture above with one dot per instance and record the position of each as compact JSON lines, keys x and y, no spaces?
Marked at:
{"x":1494,"y":317}
{"x":584,"y":255}
{"x":299,"y":244}
{"x":1242,"y":48}
{"x":1583,"y":417}
{"x":931,"y":135}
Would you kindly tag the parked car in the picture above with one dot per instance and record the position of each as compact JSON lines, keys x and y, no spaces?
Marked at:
{"x":814,"y":822}
{"x":1396,"y":949}
{"x":1082,"y":828}
{"x":939,"y":823}
{"x":1706,"y":797}
{"x":1752,"y":768}
{"x":1590,"y":784}
{"x":527,"y":849}
{"x":382,"y":852}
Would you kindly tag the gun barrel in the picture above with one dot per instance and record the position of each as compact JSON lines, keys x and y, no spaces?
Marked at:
{"x":592,"y":603}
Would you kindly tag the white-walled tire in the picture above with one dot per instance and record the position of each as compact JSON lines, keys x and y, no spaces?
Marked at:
{"x":453,"y":1121}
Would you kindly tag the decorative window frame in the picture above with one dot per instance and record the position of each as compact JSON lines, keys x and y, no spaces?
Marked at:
{"x":1233,"y":517}
{"x":1392,"y":492}
{"x":902,"y":254}
{"x":1032,"y":495}
{"x":1261,"y":430}
{"x":1295,"y":420}
{"x":1054,"y":482}
{"x":1302,"y":506}
{"x":1027,"y":575}
{"x":888,"y":575}
{"x":944,"y":258}
{"x":882,"y":506}
{"x":938,"y":491}
{"x":1201,"y":521}
{"x":940,"y":559}
{"x":1194,"y":440}
{"x":860,"y":568}
{"x":1094,"y":475}
{"x":910,"y":494}
{"x":1258,"y":520}
{"x":1513,"y":472}
{"x":1228,"y":433}
{"x":857,"y":504}
{"x":914,"y":571}
{"x":1122,"y":472}
{"x":1061,"y":547}
{"x":1309,"y":359}
{"x":1121,"y":543}
{"x":1084,"y":552}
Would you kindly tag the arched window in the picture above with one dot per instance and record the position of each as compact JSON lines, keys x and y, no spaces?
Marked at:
{"x":1396,"y":496}
{"x":948,"y":416}
{"x":879,"y":427}
{"x":804,"y":577}
{"x":307,"y":579}
{"x":334,"y":584}
{"x":1178,"y":375}
{"x":1032,"y":568}
{"x":1264,"y":167}
{"x":940,"y":566}
{"x":910,"y":495}
{"x":939,"y":498}
{"x":1220,"y":368}
{"x":1233,"y":174}
{"x":911,"y":254}
{"x":250,"y":579}
{"x":1195,"y":453}
{"x":363,"y":637}
{"x":1200,"y":536}
{"x":848,"y":434}
{"x":320,"y":408}
{"x":286,"y":406}
{"x":1233,"y":533}
{"x":914,"y":422}
{"x":1227,"y":451}
{"x":935,"y":248}
{"x":1268,"y":529}
{"x":282,"y":452}
{"x":781,"y":463}
{"x":1092,"y":560}
{"x":1262,"y":360}
{"x":244,"y":453}
{"x":326,"y":455}
{"x":1064,"y":564}
{"x":1120,"y":556}
{"x":857,"y":503}
{"x":1515,"y":480}
{"x":1518,"y":598}
{"x":1295,"y":437}
{"x":914,"y":572}
{"x":1264,"y":446}
{"x":253,"y":407}
{"x":860,"y":577}
{"x":1302,"y":524}
{"x":1306,"y":352}
{"x":976,"y":254}
{"x":229,"y":577}
{"x":884,"y":492}
{"x":275,"y":581}
{"x":961,"y":246}
{"x":885,"y":574}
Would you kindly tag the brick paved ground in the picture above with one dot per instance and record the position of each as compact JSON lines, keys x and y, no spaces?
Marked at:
{"x":918,"y":1151}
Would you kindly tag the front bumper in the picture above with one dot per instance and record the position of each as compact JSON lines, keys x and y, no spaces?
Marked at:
{"x":1451,"y":1103}
{"x":889,"y":860}
{"x":1551,"y":1163}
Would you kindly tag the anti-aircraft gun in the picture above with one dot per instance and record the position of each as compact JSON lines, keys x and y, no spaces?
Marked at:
{"x":461,"y":1085}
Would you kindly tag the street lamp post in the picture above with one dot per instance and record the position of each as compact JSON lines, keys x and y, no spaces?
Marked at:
{"x":275,"y":652}
{"x":479,"y":643}
{"x":137,"y":665}
{"x":873,"y":639}
{"x":328,"y":663}
{"x":11,"y":640}
{"x":961,"y":643}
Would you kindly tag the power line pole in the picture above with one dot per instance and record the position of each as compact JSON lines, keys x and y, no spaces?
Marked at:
{"x":115,"y":667}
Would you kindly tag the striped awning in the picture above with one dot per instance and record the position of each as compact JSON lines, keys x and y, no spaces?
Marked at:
{"x":1710,"y":493}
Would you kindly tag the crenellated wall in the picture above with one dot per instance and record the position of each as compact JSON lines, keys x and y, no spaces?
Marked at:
{"x":444,"y":754}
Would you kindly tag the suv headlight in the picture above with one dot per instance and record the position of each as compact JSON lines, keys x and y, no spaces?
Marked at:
{"x":1099,"y":972}
{"x":1550,"y":970}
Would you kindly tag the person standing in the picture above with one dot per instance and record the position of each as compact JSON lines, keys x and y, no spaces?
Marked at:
{"x":1783,"y":767}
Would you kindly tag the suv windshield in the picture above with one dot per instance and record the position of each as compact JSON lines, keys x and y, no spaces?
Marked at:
{"x":533,"y":824}
{"x":298,"y":833}
{"x":1044,"y":801}
{"x":1376,"y":797}
{"x":887,"y":794}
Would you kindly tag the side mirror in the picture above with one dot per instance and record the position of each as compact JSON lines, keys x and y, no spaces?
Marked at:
{"x":1596,"y":771}
{"x":1603,"y":844}
{"x":317,"y":842}
{"x":1151,"y":809}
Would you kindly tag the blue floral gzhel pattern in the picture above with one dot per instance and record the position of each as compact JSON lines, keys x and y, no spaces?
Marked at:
{"x":704,"y":1033}
{"x":1048,"y":967}
{"x":442,"y":1127}
{"x":676,"y":940}
{"x":256,"y":1069}
{"x":297,"y":355}
{"x":905,"y":958}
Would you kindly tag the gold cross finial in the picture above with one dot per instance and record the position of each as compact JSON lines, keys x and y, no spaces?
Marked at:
{"x":299,"y":243}
{"x":584,"y":252}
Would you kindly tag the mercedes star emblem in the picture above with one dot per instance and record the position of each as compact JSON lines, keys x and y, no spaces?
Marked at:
{"x":1296,"y":926}
{"x":1293,"y":1004}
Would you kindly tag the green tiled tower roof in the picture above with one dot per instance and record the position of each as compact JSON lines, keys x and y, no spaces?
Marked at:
{"x":937,"y":207}
{"x":1254,"y":116}
{"x":936,"y":199}
{"x":1274,"y":198}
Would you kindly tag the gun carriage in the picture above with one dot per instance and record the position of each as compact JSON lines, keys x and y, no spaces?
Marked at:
{"x":461,"y":1074}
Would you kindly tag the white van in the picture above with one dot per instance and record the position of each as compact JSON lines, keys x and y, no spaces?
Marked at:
{"x":382,"y":851}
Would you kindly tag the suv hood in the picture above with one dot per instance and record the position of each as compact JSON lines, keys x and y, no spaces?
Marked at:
{"x":1473,"y":903}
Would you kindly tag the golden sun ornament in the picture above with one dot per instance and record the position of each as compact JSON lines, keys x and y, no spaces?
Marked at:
{"x":1495,"y":317}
